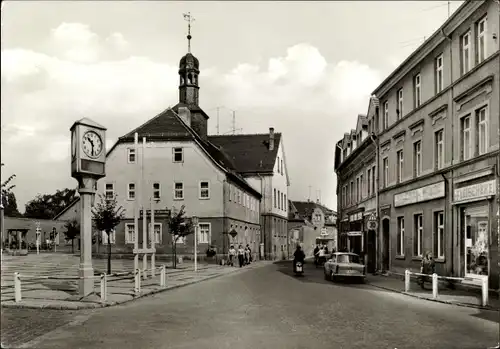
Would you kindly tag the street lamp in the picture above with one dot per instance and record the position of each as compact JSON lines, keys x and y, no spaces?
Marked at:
{"x":195,"y":224}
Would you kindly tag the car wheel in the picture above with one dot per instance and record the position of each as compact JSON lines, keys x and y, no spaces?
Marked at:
{"x":332,"y":276}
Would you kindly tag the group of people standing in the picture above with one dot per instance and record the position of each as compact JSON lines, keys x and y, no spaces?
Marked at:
{"x":244,"y":255}
{"x":320,"y":254}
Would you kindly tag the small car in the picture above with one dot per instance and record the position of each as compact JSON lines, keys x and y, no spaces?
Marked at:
{"x":344,"y":265}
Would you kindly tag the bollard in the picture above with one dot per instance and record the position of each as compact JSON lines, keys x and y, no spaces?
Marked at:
{"x":434,"y":286}
{"x":137,"y":281}
{"x":484,"y":289}
{"x":104,"y":287}
{"x":407,"y":280}
{"x":17,"y":287}
{"x":153,"y":265}
{"x":163,"y":276}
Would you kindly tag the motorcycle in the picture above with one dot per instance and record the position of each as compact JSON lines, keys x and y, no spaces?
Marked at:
{"x":299,"y":268}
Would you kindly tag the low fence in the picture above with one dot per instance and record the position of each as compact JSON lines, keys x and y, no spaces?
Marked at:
{"x":435,"y":284}
{"x":104,"y":280}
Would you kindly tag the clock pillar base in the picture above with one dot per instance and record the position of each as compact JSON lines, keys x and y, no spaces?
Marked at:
{"x":85,"y":270}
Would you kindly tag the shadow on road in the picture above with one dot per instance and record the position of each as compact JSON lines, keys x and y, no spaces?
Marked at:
{"x":489,"y":315}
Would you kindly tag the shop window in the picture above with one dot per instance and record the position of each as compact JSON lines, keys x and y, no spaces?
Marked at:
{"x":475,"y":223}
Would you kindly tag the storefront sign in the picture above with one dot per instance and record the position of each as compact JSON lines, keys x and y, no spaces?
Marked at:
{"x":356,"y":217}
{"x":158,"y":213}
{"x":475,"y":191}
{"x":429,"y":192}
{"x":354,"y":233}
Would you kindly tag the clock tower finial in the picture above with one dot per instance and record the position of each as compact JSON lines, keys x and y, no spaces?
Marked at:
{"x":189,"y":19}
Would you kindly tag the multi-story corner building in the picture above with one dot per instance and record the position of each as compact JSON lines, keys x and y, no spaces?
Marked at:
{"x":438,"y":147}
{"x":311,"y":223}
{"x":355,"y":166}
{"x":261,"y":160}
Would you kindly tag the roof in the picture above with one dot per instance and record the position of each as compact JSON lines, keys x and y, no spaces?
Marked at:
{"x":249,"y":152}
{"x":306,"y":208}
{"x":70,"y":205}
{"x":168,"y":126}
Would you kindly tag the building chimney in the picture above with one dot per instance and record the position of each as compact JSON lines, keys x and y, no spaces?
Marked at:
{"x":185,"y":115}
{"x":271,"y":138}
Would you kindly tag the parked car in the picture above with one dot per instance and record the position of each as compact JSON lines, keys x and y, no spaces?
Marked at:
{"x":344,"y":265}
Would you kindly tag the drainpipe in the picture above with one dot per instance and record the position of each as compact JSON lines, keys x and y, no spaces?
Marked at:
{"x":263,"y":230}
{"x":447,"y":184}
{"x":377,"y":203}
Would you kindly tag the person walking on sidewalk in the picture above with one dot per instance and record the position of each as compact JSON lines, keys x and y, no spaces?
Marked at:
{"x":426,"y":267}
{"x":247,"y":255}
{"x":241,"y":255}
{"x":232,"y":255}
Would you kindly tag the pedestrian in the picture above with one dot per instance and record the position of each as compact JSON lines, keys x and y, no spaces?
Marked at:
{"x":241,"y":255}
{"x":427,"y":267}
{"x":316,"y":251}
{"x":232,"y":255}
{"x":247,"y":256}
{"x":250,"y":259}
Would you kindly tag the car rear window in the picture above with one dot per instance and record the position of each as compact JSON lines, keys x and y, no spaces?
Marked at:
{"x":347,"y":258}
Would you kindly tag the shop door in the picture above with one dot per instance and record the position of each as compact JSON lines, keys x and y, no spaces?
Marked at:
{"x":475,"y":220}
{"x":385,"y":244}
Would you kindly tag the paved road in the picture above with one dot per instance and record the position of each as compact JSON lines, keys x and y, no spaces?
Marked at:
{"x":269,"y":308}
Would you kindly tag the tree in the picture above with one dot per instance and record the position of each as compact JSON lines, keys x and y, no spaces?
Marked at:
{"x":72,"y":231}
{"x":9,"y":201}
{"x":47,"y":206}
{"x":179,"y":226}
{"x":106,"y":216}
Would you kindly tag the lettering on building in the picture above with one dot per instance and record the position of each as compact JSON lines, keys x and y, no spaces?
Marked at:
{"x":475,"y":191}
{"x":429,"y":192}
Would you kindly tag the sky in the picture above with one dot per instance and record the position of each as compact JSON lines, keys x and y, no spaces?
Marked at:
{"x":305,"y":68}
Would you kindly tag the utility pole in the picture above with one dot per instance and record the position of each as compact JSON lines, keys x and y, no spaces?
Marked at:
{"x":234,"y":122}
{"x":217,"y":120}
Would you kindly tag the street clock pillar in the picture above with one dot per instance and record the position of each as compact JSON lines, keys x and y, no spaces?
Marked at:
{"x":88,"y":164}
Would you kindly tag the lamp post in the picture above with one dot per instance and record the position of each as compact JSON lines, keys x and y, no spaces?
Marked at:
{"x":38,"y":233}
{"x":195,"y":224}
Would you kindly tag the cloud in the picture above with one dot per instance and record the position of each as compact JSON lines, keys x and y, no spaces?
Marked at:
{"x":312,"y":101}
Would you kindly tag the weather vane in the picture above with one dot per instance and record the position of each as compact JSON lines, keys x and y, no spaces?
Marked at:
{"x":189,"y":19}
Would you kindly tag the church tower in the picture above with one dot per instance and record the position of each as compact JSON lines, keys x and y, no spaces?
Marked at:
{"x":188,"y":73}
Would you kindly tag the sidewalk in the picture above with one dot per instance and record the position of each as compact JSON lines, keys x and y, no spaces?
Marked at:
{"x":62,"y":294}
{"x":445,"y":295}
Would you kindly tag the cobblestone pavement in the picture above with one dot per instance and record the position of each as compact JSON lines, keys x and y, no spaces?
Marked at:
{"x":19,"y":326}
{"x":270,"y":308}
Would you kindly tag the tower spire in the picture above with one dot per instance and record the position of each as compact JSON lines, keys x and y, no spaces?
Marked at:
{"x":189,"y":19}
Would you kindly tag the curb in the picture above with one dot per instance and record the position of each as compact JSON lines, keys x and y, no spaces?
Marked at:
{"x":465,"y":305}
{"x":110,"y":304}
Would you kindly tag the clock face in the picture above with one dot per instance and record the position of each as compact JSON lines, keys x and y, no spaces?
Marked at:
{"x":92,"y":144}
{"x":73,"y":145}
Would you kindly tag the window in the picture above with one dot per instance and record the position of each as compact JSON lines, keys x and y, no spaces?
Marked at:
{"x":204,"y":233}
{"x":156,"y":234}
{"x":204,"y":190}
{"x":481,"y":40}
{"x":352,"y":198}
{"x":400,"y":163}
{"x":131,"y":191}
{"x":369,"y":176}
{"x":399,"y":111}
{"x":373,"y":180}
{"x":278,"y":164}
{"x":178,"y":155}
{"x":282,"y":201}
{"x":344,"y":201}
{"x":439,"y":234}
{"x":111,"y":236}
{"x":178,"y":191}
{"x":466,"y":139}
{"x":156,"y":191}
{"x":439,"y":149}
{"x":230,"y":188}
{"x":286,"y":204}
{"x":240,"y":198}
{"x":357,"y":189}
{"x":401,"y":237}
{"x":418,"y":91}
{"x":179,"y":239}
{"x":439,"y":73}
{"x":417,"y":159}
{"x":282,"y":166}
{"x":386,"y":171}
{"x":418,"y":231}
{"x":279,"y":200}
{"x":274,"y":197}
{"x":386,"y":114}
{"x":109,"y":191}
{"x":465,"y":48}
{"x":131,"y":155}
{"x":482,"y":130}
{"x":129,"y":233}
{"x":361,"y":194}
